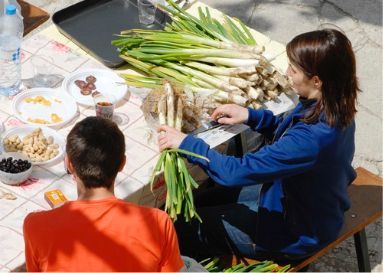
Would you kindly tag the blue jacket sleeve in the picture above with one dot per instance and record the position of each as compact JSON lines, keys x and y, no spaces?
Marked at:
{"x":263,"y":121}
{"x":294,"y":153}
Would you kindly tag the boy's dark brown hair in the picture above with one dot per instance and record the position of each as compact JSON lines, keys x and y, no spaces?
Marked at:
{"x":328,"y":54}
{"x":96,"y":148}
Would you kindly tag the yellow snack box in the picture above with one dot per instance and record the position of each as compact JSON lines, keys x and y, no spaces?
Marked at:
{"x":55,"y":198}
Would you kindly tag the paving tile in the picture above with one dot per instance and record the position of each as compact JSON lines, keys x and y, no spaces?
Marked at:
{"x":17,"y":261}
{"x":15,"y":219}
{"x":28,"y":70}
{"x":25,"y":55}
{"x":92,"y":64}
{"x":129,"y":189}
{"x":11,"y":245}
{"x":136,"y":155}
{"x":35,"y":43}
{"x":68,"y":127}
{"x":64,"y":57}
{"x":7,"y":206}
{"x":144,"y":173}
{"x":141,"y":132}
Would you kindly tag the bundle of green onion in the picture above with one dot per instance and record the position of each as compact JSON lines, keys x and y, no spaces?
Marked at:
{"x":207,"y":26}
{"x":215,"y":265}
{"x":179,"y":182}
{"x":219,"y":59}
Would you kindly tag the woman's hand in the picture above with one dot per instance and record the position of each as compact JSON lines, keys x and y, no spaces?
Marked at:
{"x":230,"y":114}
{"x":169,"y":137}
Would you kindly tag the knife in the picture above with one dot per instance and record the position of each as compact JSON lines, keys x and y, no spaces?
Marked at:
{"x":206,"y":126}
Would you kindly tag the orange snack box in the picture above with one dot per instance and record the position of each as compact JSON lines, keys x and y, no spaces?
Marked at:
{"x":55,"y":198}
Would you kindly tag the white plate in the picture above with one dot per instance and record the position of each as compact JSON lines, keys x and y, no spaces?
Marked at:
{"x":107,"y":83}
{"x":23,"y":130}
{"x":62,"y":105}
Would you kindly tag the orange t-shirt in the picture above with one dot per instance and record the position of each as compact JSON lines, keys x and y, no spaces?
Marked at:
{"x":101,"y":235}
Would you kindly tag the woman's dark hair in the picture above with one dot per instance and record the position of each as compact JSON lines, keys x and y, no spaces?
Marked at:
{"x":96,"y":148}
{"x":328,"y":54}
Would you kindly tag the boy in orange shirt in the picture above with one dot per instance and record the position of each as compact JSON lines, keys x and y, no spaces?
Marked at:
{"x":99,"y":232}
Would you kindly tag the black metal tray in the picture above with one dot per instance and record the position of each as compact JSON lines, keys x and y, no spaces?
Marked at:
{"x":91,"y":24}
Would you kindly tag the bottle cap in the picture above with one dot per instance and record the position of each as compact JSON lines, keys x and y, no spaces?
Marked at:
{"x":10,"y":10}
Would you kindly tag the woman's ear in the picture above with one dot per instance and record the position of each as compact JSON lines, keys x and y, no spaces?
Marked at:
{"x":317,"y":82}
{"x":122,"y":165}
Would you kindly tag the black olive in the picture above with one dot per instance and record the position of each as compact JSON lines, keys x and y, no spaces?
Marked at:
{"x":14,"y":166}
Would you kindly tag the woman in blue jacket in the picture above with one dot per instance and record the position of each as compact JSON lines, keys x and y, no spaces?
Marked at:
{"x":286,"y":200}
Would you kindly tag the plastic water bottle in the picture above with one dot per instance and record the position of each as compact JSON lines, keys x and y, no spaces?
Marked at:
{"x":10,"y":41}
{"x":12,"y":2}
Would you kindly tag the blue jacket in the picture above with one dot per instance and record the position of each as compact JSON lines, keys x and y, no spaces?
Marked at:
{"x":304,"y":174}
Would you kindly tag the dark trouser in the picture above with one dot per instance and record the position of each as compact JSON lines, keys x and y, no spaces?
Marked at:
{"x":229,"y":221}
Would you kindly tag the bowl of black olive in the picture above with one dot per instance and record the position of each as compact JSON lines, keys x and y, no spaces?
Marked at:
{"x":15,"y":168}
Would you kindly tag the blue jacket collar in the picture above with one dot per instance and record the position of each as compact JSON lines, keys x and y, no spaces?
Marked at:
{"x":304,"y":106}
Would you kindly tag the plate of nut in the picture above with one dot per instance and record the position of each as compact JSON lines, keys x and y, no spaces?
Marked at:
{"x":42,"y":145}
{"x":44,"y":107}
{"x":82,"y":84}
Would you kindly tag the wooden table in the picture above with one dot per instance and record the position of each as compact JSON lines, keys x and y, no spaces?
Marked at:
{"x":33,"y":16}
